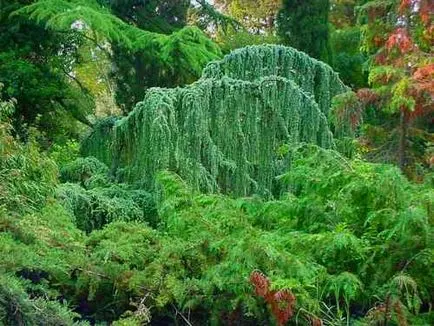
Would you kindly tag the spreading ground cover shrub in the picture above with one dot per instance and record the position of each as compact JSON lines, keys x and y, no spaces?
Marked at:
{"x":344,"y":247}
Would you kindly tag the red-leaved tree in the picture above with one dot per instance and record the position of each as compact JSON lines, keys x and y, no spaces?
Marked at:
{"x":399,"y":37}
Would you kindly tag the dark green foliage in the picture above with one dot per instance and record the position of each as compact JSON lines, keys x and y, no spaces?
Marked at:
{"x":142,"y":58}
{"x":100,"y":205}
{"x":84,"y":171}
{"x":97,"y":138}
{"x":156,"y":16}
{"x":171,"y":60}
{"x":303,"y":24}
{"x":34,"y":67}
{"x":94,"y":200}
{"x":17,"y":308}
{"x":348,"y":60}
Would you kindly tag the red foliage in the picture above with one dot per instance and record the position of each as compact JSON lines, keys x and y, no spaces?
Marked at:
{"x":424,"y":7}
{"x":316,"y":322}
{"x":404,"y":5}
{"x":402,"y":51}
{"x":261,"y":283}
{"x":426,"y":11}
{"x":381,"y":58}
{"x":282,"y":302}
{"x":424,"y":78}
{"x":423,"y":90}
{"x":401,"y":40}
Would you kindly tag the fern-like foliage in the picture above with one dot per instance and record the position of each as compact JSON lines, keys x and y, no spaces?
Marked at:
{"x":17,"y":308}
{"x":188,"y":50}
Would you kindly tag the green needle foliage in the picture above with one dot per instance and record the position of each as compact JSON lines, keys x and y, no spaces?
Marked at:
{"x":254,"y":62}
{"x":142,"y":58}
{"x":17,"y":308}
{"x":94,"y":201}
{"x":224,"y":132}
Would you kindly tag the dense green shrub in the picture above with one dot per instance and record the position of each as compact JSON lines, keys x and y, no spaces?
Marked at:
{"x":344,"y":236}
{"x":94,"y":199}
{"x":65,"y":153}
{"x":17,"y":308}
{"x":339,"y":223}
{"x":84,"y":171}
{"x":27,"y":177}
{"x":95,"y":207}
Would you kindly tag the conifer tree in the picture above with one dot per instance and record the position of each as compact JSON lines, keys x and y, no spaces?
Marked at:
{"x":142,"y":58}
{"x":303,"y":24}
{"x":36,"y":70}
{"x":225,"y":132}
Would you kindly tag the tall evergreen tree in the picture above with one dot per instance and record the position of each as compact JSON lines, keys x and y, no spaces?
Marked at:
{"x":142,"y":58}
{"x":137,"y":71}
{"x":36,"y":70}
{"x":303,"y":24}
{"x":161,"y":16}
{"x":222,"y":133}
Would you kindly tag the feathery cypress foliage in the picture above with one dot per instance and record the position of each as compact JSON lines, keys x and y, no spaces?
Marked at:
{"x":348,"y":235}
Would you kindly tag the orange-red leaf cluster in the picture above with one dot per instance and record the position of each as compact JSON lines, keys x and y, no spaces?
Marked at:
{"x":426,"y":11}
{"x":401,"y":40}
{"x":404,"y":5}
{"x":423,"y":90}
{"x":282,"y":302}
{"x":424,"y":79}
{"x":425,"y":8}
{"x":403,"y":51}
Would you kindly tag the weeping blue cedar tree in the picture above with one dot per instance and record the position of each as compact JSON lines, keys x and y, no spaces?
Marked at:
{"x":224,"y":132}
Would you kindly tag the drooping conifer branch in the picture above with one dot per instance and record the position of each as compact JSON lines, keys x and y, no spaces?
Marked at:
{"x":253,"y":62}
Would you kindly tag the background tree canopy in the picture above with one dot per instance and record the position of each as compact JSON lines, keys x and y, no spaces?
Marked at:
{"x":140,"y":57}
{"x":304,"y":25}
{"x":38,"y":77}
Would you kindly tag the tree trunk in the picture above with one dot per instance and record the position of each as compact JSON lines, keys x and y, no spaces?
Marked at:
{"x":402,"y":157}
